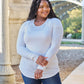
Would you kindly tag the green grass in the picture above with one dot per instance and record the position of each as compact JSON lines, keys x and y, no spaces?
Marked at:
{"x":71,"y":43}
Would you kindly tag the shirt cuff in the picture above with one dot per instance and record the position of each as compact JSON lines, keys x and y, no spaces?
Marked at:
{"x":35,"y":58}
{"x":41,"y":67}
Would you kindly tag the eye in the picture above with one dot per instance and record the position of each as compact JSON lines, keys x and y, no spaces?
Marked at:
{"x":41,"y":7}
{"x":47,"y":6}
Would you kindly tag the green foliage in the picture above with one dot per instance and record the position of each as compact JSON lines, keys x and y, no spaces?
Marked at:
{"x":76,"y":35}
{"x":72,"y":24}
{"x":71,"y":43}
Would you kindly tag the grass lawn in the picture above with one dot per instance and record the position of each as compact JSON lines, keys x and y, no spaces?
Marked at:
{"x":71,"y":43}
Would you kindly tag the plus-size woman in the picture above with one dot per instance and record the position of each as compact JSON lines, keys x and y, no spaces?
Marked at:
{"x":38,"y":42}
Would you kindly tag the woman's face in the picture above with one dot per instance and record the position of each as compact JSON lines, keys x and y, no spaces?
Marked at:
{"x":43,"y":9}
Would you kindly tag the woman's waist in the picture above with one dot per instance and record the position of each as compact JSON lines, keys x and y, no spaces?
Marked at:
{"x":27,"y":64}
{"x":41,"y":50}
{"x":30,"y":63}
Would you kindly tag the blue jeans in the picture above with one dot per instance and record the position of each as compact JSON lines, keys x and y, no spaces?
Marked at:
{"x":52,"y":80}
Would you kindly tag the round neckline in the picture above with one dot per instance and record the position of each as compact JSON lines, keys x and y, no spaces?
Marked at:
{"x":39,"y":25}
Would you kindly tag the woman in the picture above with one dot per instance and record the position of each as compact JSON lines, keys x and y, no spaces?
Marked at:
{"x":38,"y":41}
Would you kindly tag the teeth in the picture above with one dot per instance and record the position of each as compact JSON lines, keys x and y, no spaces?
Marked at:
{"x":45,"y":13}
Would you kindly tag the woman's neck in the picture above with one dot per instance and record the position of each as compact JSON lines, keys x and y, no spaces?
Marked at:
{"x":40,"y":19}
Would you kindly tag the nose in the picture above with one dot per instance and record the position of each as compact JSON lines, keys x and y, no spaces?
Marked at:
{"x":45,"y":8}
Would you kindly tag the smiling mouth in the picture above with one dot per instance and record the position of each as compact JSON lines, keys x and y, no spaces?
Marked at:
{"x":45,"y":12}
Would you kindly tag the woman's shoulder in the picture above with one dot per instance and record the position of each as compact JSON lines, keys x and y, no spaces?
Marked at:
{"x":24,"y":25}
{"x":55,"y":20}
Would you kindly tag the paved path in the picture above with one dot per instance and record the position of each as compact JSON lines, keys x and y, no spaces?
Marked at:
{"x":70,"y":56}
{"x":76,"y":76}
{"x":71,"y":40}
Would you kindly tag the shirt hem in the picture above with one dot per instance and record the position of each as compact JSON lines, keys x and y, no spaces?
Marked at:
{"x":44,"y":77}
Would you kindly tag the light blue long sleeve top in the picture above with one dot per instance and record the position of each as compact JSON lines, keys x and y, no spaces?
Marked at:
{"x":34,"y":41}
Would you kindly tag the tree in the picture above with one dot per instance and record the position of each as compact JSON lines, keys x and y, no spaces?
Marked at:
{"x":72,"y":24}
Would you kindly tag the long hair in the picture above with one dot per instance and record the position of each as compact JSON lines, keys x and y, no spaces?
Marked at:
{"x":34,"y":9}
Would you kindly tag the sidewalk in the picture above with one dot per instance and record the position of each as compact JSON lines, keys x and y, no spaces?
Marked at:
{"x":77,"y":76}
{"x":71,"y":40}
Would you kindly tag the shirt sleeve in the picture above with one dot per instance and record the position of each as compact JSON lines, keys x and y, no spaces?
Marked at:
{"x":21,"y":46}
{"x":56,"y":40}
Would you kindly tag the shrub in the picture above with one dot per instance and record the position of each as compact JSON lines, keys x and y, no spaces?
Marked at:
{"x":76,"y":35}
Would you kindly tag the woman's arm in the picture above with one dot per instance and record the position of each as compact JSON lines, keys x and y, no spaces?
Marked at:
{"x":21,"y":47}
{"x":56,"y":40}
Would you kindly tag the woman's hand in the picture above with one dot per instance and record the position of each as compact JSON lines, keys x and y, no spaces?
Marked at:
{"x":38,"y":74}
{"x":42,"y":61}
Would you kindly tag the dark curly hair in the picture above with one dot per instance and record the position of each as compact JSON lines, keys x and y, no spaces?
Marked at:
{"x":34,"y":9}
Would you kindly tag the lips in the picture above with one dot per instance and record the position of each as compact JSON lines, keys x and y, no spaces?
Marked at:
{"x":45,"y":12}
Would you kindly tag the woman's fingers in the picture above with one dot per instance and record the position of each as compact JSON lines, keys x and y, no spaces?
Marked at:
{"x":45,"y":63}
{"x":42,"y":61}
{"x":38,"y":74}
